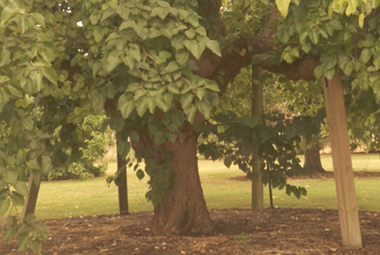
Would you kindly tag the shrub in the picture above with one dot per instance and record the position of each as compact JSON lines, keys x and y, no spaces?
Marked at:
{"x":96,"y":143}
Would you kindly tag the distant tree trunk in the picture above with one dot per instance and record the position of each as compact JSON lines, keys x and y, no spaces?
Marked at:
{"x":184,"y":209}
{"x":258,"y":112}
{"x":313,"y":157}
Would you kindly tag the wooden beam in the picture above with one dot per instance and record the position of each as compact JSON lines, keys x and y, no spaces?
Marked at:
{"x":343,"y":173}
{"x":122,"y":184}
{"x":258,"y":112}
{"x":31,"y":200}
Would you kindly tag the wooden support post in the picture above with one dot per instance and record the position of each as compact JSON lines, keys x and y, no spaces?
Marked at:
{"x":122,"y":184}
{"x":343,"y":173}
{"x":258,"y":112}
{"x":31,"y":200}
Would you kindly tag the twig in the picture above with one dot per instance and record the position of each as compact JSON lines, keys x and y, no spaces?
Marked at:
{"x":188,"y":82}
{"x":172,"y":21}
{"x":147,"y":55}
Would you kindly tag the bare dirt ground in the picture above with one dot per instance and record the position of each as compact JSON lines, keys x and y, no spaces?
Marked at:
{"x":237,"y":232}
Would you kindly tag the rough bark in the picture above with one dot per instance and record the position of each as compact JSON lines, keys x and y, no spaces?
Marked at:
{"x":184,"y":209}
{"x":313,"y":157}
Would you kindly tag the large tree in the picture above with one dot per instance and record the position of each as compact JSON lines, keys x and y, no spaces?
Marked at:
{"x":156,"y":67}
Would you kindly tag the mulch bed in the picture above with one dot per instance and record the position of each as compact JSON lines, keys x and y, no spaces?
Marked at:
{"x":237,"y":232}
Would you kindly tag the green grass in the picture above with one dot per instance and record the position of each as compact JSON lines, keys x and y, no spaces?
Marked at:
{"x":59,"y":199}
{"x":360,"y":162}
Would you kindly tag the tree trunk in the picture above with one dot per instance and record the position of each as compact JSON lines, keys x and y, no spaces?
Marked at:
{"x":258,"y":112}
{"x":184,"y":209}
{"x":343,"y":173}
{"x":312,"y":157}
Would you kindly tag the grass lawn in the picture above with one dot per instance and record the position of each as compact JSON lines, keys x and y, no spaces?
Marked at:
{"x":58,"y":199}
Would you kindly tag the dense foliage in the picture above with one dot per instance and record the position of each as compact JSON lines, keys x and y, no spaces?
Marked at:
{"x":96,"y":144}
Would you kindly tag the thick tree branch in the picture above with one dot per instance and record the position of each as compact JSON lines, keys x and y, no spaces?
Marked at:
{"x":239,"y":54}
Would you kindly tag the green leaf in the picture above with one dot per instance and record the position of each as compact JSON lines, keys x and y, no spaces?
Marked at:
{"x":194,"y":47}
{"x":112,"y":63}
{"x":361,"y":20}
{"x":8,"y":13}
{"x":22,"y":188}
{"x":134,"y":50}
{"x":190,"y":34}
{"x":109,"y":12}
{"x":4,"y":79}
{"x":5,"y":57}
{"x":351,"y":7}
{"x":28,"y":123}
{"x":127,"y":24}
{"x":126,"y":105}
{"x":347,"y":68}
{"x":193,"y":19}
{"x":161,"y":103}
{"x":365,"y":55}
{"x":160,"y":12}
{"x":151,"y":103}
{"x":36,"y":176}
{"x":318,"y":71}
{"x":45,"y":164}
{"x":227,"y":162}
{"x":42,"y":230}
{"x":214,"y":47}
{"x":94,"y":18}
{"x":4,"y":206}
{"x":50,"y":74}
{"x":173,"y":88}
{"x":172,"y":137}
{"x":129,"y":60}
{"x":190,"y":114}
{"x":182,"y":56}
{"x":123,"y":147}
{"x":251,"y":122}
{"x":204,"y":107}
{"x":172,"y":67}
{"x":10,"y":177}
{"x":17,"y":199}
{"x":47,"y":54}
{"x":11,"y":229}
{"x":33,"y":164}
{"x":141,"y":107}
{"x":140,"y":174}
{"x":212,"y":85}
{"x":22,"y":243}
{"x":14,"y":91}
{"x":38,"y":18}
{"x":329,"y":73}
{"x":97,"y":101}
{"x":313,"y":35}
{"x":283,"y":6}
{"x":187,"y":101}
{"x":98,"y":34}
{"x":36,"y":245}
{"x":159,"y":137}
{"x":200,"y":93}
{"x":306,"y":47}
{"x":334,"y":25}
{"x":30,"y":219}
